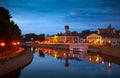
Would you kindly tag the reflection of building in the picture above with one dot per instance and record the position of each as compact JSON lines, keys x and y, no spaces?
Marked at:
{"x":66,"y":63}
{"x":94,"y":58}
{"x":62,"y":54}
{"x":67,"y":37}
{"x":98,"y":58}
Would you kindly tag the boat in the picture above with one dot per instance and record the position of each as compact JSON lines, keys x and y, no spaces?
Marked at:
{"x":78,"y":48}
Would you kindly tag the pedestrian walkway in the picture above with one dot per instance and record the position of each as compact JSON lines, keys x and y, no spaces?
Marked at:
{"x":17,"y":63}
{"x":17,"y":53}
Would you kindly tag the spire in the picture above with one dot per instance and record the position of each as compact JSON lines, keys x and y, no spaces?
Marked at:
{"x":110,"y":26}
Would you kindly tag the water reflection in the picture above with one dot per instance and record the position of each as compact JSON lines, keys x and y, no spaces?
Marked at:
{"x":103,"y":59}
{"x":77,"y":64}
{"x":41,"y":54}
{"x":100,"y":58}
{"x":78,"y":56}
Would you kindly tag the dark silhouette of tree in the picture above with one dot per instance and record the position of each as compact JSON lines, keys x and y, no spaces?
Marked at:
{"x":9,"y":31}
{"x":34,"y":37}
{"x":41,"y":37}
{"x":30,"y":36}
{"x":60,"y":34}
{"x":87,"y":32}
{"x":118,"y":32}
{"x":41,"y":54}
{"x":74,"y":33}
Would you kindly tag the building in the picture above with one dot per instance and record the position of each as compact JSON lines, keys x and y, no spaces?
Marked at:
{"x":108,"y":30}
{"x":67,"y":37}
{"x":110,"y":39}
{"x":94,"y":39}
{"x":106,"y":36}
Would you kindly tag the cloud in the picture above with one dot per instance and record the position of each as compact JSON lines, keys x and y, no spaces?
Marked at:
{"x":57,"y":13}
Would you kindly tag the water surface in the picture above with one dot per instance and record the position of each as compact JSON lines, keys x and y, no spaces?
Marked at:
{"x":48,"y":63}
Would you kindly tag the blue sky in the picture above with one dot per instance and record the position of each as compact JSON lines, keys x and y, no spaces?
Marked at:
{"x":50,"y":16}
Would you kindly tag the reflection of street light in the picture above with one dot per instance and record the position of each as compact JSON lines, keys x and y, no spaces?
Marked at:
{"x":103,"y":62}
{"x":109,"y":64}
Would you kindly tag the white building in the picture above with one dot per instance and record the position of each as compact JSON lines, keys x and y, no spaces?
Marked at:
{"x":104,"y":39}
{"x":67,"y":37}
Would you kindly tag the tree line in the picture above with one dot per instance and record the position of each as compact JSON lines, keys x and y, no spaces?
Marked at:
{"x":9,"y":31}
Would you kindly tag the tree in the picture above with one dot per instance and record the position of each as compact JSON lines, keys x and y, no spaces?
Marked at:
{"x":42,"y":37}
{"x":118,"y":32}
{"x":74,"y":33}
{"x":9,"y":31}
{"x":86,"y":32}
{"x":30,"y":36}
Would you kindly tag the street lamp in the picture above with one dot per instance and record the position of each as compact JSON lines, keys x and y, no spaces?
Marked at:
{"x":2,"y":44}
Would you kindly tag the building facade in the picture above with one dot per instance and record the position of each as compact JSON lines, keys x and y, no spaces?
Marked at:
{"x":104,"y":39}
{"x":94,"y":39}
{"x":63,"y":39}
{"x":108,"y":30}
{"x":67,"y":37}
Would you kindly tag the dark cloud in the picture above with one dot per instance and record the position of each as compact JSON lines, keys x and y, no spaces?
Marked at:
{"x":89,"y":12}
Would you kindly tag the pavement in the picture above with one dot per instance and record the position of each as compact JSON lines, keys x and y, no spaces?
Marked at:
{"x":15,"y":63}
{"x":20,"y":50}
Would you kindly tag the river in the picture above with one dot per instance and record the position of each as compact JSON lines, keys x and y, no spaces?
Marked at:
{"x":50,"y":63}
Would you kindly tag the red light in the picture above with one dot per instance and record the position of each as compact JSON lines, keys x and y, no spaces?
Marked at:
{"x":2,"y":44}
{"x":14,"y":43}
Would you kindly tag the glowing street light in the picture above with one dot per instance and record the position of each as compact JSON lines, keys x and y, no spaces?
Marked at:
{"x":2,"y":44}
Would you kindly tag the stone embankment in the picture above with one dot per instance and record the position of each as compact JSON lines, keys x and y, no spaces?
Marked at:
{"x":15,"y":63}
{"x":66,"y":47}
{"x":52,"y":46}
{"x":115,"y":53}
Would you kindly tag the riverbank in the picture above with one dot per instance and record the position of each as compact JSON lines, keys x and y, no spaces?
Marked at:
{"x":111,"y":51}
{"x":15,"y":63}
{"x":104,"y":50}
{"x":51,"y":46}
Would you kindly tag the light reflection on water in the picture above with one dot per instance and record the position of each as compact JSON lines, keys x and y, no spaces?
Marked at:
{"x":64,"y":64}
{"x":50,"y":63}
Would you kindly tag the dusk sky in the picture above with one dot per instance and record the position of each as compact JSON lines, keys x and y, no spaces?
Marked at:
{"x":50,"y":16}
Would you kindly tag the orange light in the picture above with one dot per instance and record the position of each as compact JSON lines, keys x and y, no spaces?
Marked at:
{"x":109,"y":41}
{"x":14,"y":43}
{"x":18,"y":43}
{"x":2,"y":44}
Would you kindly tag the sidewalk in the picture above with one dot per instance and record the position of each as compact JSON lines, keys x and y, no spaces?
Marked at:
{"x":17,"y":63}
{"x":20,"y":50}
